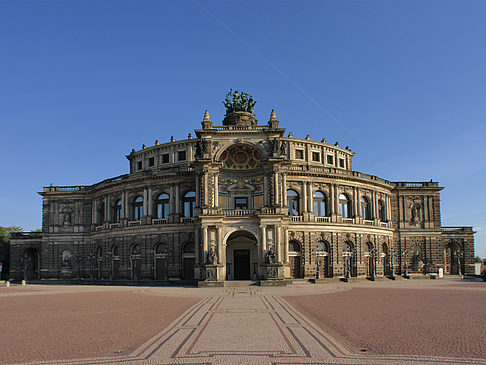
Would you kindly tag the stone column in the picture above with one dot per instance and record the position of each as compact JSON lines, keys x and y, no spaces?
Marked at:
{"x":205,"y":244}
{"x":127,"y":206}
{"x":275,"y":188}
{"x":107,"y":209}
{"x":310,"y":198}
{"x":373,"y":204}
{"x":150,"y":202}
{"x":216,"y":190}
{"x":177,"y":199}
{"x":284,"y":189}
{"x":286,"y":245}
{"x":265,"y":191}
{"x":197,"y":251}
{"x":145,"y":207}
{"x":94,"y":209}
{"x":355,"y":198}
{"x":278,"y":244}
{"x":264,"y":241}
{"x":219,"y":237}
{"x":336,"y":198}
{"x":198,"y":190}
{"x":331,"y":199}
{"x":303,"y":189}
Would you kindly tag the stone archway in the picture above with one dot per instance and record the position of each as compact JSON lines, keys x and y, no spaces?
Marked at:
{"x":241,"y":256}
{"x":30,"y":261}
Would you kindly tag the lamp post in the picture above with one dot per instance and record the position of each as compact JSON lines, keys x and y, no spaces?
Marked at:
{"x":109,"y":258}
{"x":405,"y":254}
{"x":318,"y":267}
{"x":392,"y":252}
{"x":78,"y":263}
{"x":346,"y":263}
{"x":373,"y":263}
{"x":91,"y":257}
{"x":458,"y":262}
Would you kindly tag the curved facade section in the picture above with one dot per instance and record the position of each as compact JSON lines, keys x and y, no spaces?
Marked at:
{"x":241,"y":201}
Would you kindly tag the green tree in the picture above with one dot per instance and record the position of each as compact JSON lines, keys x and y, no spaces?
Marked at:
{"x":5,"y":233}
{"x":478,"y":259}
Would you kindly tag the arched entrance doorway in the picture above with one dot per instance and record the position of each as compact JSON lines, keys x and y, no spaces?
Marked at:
{"x":160,"y":262}
{"x":241,"y":256}
{"x":30,"y":261}
{"x":294,"y":259}
{"x":188,"y":261}
{"x":322,"y":259}
{"x":453,"y":259}
{"x":386,"y":260}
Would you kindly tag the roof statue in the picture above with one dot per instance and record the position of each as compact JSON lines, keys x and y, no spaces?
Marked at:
{"x":239,"y":109}
{"x":239,"y":102}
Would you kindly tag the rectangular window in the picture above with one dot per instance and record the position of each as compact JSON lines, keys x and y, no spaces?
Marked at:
{"x":181,"y":155}
{"x":341,"y":163}
{"x":151,"y":161}
{"x":241,"y":203}
{"x":299,"y":154}
{"x":139,"y":165}
{"x":330,"y":159}
{"x":165,"y":158}
{"x":316,"y":156}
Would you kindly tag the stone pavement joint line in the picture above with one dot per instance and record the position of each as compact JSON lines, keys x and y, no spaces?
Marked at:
{"x":247,"y":326}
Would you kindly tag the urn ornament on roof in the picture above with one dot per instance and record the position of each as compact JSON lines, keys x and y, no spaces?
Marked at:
{"x":239,"y":109}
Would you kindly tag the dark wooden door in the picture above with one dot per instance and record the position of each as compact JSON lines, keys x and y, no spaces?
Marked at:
{"x":295,"y":266}
{"x":242,"y":264}
{"x":160,"y":269}
{"x":116,"y":269}
{"x":189,"y":268}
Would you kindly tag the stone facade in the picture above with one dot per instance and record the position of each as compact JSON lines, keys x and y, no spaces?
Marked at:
{"x":241,"y":201}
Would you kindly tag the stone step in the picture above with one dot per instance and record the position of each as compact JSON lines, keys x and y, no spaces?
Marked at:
{"x":239,"y":283}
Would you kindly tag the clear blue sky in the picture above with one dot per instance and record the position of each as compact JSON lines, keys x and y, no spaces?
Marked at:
{"x":402,"y":83}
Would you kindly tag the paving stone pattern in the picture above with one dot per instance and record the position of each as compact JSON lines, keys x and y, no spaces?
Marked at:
{"x":255,"y":325}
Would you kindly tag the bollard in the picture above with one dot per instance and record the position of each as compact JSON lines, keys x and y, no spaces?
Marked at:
{"x":23,"y":282}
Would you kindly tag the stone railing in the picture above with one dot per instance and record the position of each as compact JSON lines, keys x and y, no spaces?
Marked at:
{"x":297,"y":218}
{"x":159,"y":221}
{"x":99,"y":228}
{"x":238,"y":212}
{"x":187,"y":219}
{"x":323,"y":219}
{"x":114,"y":225}
{"x":134,"y":223}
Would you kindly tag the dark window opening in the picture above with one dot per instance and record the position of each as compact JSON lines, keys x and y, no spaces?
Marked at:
{"x":181,"y":155}
{"x":316,"y":156}
{"x":299,"y":154}
{"x":151,"y":161}
{"x":241,"y":203}
{"x":139,"y":165}
{"x":165,"y":158}
{"x":341,"y":163}
{"x":330,"y":160}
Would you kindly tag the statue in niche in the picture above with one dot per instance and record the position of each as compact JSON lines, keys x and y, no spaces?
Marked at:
{"x":66,"y":260}
{"x":283,"y":147}
{"x":212,"y":258}
{"x":414,"y":211}
{"x":67,"y":219}
{"x":270,"y":256}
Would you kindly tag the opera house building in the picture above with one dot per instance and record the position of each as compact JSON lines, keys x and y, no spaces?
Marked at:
{"x":239,"y":200}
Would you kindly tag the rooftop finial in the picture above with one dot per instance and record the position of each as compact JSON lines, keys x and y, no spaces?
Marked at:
{"x":273,"y":115}
{"x":206,"y":116}
{"x":273,"y":122}
{"x":206,"y":123}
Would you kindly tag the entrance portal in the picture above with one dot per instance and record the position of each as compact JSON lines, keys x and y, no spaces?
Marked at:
{"x":242,"y":264}
{"x":241,"y":256}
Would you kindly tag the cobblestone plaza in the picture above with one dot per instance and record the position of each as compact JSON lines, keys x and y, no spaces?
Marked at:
{"x":381,"y":322}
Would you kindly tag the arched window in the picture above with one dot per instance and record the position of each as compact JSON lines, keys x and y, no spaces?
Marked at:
{"x":189,"y":247}
{"x":293,"y":202}
{"x":365,"y":208}
{"x":319,"y":204}
{"x":117,"y":211}
{"x":381,"y":210}
{"x":322,"y":247}
{"x":135,"y":250}
{"x":115,"y":251}
{"x":344,"y":206}
{"x":163,"y":206}
{"x":138,"y":208}
{"x":189,"y":203}
{"x":101,"y":213}
{"x":367,"y":249}
{"x":348,"y":247}
{"x":294,"y":246}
